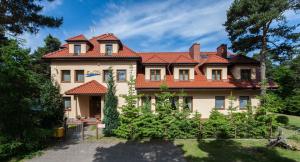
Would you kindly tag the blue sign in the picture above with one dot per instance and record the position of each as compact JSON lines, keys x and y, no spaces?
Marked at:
{"x":93,"y":73}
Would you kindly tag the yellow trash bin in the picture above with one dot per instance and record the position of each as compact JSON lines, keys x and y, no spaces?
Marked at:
{"x":59,"y":132}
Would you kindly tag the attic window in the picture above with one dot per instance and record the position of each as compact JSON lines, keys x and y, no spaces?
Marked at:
{"x":108,"y":49}
{"x":77,"y":49}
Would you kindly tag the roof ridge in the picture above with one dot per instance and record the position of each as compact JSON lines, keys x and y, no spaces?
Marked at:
{"x":161,"y":52}
{"x":80,"y":35}
{"x":156,"y":57}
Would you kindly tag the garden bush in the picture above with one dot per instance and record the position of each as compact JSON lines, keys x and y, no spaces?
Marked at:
{"x":282,"y":119}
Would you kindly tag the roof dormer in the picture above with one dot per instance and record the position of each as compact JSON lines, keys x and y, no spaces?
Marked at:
{"x":78,"y":45}
{"x":109,"y":44}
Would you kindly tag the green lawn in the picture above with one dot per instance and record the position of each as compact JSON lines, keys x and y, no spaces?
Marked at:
{"x":294,"y":121}
{"x":234,"y":151}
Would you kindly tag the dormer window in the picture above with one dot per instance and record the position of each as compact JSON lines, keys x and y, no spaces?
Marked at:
{"x":77,"y":49}
{"x":245,"y":74}
{"x":216,"y":74}
{"x":155,"y":75}
{"x":184,"y":74}
{"x":108,"y":49}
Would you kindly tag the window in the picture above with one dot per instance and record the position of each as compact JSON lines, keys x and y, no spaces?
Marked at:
{"x":220,"y":102}
{"x":244,"y":101}
{"x":146,"y":103}
{"x":216,"y":74}
{"x":245,"y":74}
{"x":67,"y":102}
{"x":77,"y":49}
{"x":108,"y":49}
{"x":79,"y":75}
{"x":121,"y":75}
{"x":155,"y":74}
{"x":175,"y":102}
{"x":184,"y":75}
{"x":65,"y":76}
{"x":188,"y":103}
{"x":106,"y":75}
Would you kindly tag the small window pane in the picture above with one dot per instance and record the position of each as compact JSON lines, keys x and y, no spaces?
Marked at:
{"x":188,"y":103}
{"x":79,"y":76}
{"x":106,"y":75}
{"x":183,"y":74}
{"x":67,"y":102}
{"x":108,"y":49}
{"x":220,"y":102}
{"x":155,"y":74}
{"x":216,"y":74}
{"x":175,"y":102}
{"x":121,"y":75}
{"x":77,"y":49}
{"x":244,"y":101}
{"x":66,"y":76}
{"x":245,"y":74}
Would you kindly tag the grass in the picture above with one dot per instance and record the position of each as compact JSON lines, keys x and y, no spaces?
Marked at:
{"x":294,"y":121}
{"x":234,"y":151}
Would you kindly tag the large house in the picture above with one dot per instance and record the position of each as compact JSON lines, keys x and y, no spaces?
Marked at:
{"x":82,"y":67}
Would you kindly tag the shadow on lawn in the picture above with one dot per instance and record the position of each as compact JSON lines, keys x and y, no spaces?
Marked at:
{"x":149,"y":151}
{"x":232,"y":151}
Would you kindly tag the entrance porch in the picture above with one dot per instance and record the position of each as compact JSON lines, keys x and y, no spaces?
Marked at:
{"x":89,"y":106}
{"x":89,"y":100}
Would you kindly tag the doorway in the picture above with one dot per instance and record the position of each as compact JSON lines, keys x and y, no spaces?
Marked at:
{"x":95,"y":106}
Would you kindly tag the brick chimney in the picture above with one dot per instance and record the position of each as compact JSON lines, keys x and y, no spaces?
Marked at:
{"x":222,"y":50}
{"x":195,"y":51}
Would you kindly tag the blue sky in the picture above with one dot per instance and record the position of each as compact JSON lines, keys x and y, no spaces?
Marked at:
{"x":153,"y":25}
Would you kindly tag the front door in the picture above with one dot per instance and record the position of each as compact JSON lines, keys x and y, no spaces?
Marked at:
{"x":95,"y":106}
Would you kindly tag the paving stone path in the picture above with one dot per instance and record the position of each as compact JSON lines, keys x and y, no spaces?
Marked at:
{"x":108,"y":150}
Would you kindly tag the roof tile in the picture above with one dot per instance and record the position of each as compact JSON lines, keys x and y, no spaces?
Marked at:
{"x":91,"y":87}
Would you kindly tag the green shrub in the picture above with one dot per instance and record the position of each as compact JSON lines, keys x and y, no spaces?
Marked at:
{"x":282,"y":119}
{"x":217,"y":126}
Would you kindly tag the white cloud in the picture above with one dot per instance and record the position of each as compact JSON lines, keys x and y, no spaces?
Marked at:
{"x":164,"y":19}
{"x":51,"y":5}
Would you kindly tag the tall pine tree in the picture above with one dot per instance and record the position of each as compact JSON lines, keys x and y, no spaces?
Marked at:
{"x":111,"y":114}
{"x":262,"y":25}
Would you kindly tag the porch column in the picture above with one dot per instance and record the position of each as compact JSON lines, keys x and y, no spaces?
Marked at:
{"x":153,"y":103}
{"x":76,"y":105}
{"x":180,"y":103}
{"x":102,"y":108}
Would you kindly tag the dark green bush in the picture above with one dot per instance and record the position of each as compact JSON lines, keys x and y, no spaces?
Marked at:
{"x":282,"y":119}
{"x":217,"y":126}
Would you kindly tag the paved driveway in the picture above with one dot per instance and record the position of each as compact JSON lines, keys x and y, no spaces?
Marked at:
{"x":107,"y":150}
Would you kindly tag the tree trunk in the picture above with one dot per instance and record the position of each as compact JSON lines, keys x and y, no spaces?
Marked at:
{"x":263,"y":59}
{"x":263,"y":74}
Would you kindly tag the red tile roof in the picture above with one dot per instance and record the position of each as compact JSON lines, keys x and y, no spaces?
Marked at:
{"x":154,"y":59}
{"x":199,"y":82}
{"x":80,"y":37}
{"x":89,"y":88}
{"x":94,"y":51}
{"x":107,"y":37}
{"x":182,"y":59}
{"x":213,"y":59}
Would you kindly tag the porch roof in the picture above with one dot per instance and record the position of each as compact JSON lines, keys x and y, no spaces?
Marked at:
{"x":90,"y":88}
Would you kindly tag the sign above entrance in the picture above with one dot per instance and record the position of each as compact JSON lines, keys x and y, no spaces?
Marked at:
{"x":93,"y":73}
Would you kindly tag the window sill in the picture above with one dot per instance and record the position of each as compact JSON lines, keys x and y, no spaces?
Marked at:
{"x":65,"y":81}
{"x":68,"y":109}
{"x":219,"y":108}
{"x":79,"y":81}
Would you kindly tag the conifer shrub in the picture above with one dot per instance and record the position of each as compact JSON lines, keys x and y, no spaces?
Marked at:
{"x":111,"y":114}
